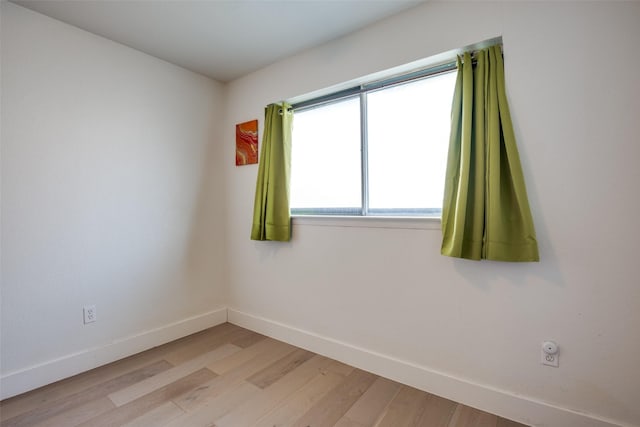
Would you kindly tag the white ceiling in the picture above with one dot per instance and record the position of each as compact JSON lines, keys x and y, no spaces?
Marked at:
{"x":223,"y":39}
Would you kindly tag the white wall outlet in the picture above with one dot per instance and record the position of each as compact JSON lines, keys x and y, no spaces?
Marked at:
{"x":550,"y":354}
{"x":89,"y":313}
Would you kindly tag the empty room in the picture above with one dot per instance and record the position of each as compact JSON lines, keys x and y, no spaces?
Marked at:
{"x":320,"y":213}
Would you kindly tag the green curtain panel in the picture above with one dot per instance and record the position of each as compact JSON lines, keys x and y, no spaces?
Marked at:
{"x":485,"y":213}
{"x":271,"y":217}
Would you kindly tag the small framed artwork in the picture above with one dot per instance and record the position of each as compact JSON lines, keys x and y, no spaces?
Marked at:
{"x":247,"y":143}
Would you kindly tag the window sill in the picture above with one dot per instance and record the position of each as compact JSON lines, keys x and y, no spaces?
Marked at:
{"x":407,"y":223}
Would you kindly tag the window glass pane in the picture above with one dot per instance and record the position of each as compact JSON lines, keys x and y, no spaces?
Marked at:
{"x":325,"y":157}
{"x":408,"y":128}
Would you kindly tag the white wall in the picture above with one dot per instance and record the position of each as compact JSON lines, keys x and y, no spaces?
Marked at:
{"x":108,"y":198}
{"x":572,"y":81}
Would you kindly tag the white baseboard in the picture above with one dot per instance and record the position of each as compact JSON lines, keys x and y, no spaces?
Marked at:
{"x":524,"y":409}
{"x":33,"y":377}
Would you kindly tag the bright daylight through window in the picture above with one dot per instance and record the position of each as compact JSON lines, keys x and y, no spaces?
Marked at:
{"x":378,"y":151}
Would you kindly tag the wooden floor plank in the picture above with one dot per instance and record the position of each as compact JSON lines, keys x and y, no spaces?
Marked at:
{"x":296,"y":405}
{"x":262,"y":347}
{"x":132,"y":410}
{"x":278,"y":369}
{"x":78,"y":414}
{"x":340,"y":368}
{"x":438,"y":412}
{"x":371,"y":406}
{"x":405,"y":409}
{"x":348,"y":422}
{"x":203,"y":343}
{"x":157,"y":417}
{"x":66,"y":403}
{"x":503,"y":422}
{"x":168,"y":376}
{"x":247,"y":339}
{"x":327,"y":411}
{"x":270,"y":352}
{"x":252,"y":410}
{"x":465,"y":416}
{"x":217,"y":407}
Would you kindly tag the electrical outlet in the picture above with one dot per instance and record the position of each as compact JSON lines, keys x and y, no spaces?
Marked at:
{"x":89,"y":314}
{"x":550,"y":359}
{"x":549,"y":354}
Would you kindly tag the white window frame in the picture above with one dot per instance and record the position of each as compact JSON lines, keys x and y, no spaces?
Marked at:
{"x":405,"y":216}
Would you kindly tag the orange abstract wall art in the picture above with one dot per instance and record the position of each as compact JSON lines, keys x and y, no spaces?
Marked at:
{"x":247,"y":143}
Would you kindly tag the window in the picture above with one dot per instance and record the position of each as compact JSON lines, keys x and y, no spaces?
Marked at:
{"x":378,"y":149}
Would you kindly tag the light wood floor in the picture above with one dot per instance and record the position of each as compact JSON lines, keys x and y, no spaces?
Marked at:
{"x":229,"y":376}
